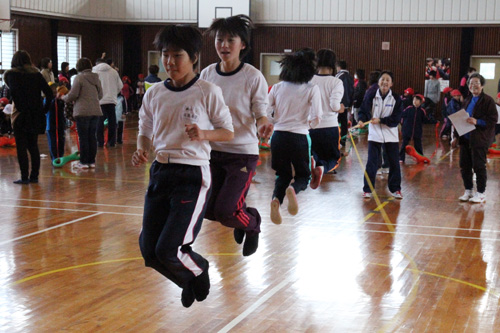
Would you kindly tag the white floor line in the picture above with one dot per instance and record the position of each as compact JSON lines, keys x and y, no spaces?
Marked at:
{"x":48,"y":229}
{"x":73,"y":203}
{"x":255,"y":306}
{"x":72,"y":210}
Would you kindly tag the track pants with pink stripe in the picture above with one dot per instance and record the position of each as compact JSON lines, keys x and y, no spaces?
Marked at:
{"x":231,"y":178}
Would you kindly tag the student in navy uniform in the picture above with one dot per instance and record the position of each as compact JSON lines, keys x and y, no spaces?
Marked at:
{"x":384,"y":110}
{"x":56,"y":122}
{"x":233,"y":163}
{"x":153,"y":74}
{"x":412,"y":119}
{"x":296,"y":104}
{"x":179,"y":118}
{"x":325,"y":137}
{"x":407,"y":98}
{"x":343,"y":74}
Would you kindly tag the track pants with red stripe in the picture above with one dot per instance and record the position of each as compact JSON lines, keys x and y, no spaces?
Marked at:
{"x":174,"y":207}
{"x":231,"y":178}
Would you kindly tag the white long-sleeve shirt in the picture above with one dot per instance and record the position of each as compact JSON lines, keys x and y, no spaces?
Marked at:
{"x":296,"y":107}
{"x":332,"y":90}
{"x":110,"y":82}
{"x":165,"y":111}
{"x":245,"y":93}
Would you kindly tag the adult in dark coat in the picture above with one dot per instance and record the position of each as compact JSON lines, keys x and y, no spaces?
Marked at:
{"x":26,"y":85}
{"x":474,"y":145}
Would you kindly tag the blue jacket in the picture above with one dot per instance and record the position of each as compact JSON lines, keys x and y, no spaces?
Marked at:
{"x":412,"y":119}
{"x":453,"y":106}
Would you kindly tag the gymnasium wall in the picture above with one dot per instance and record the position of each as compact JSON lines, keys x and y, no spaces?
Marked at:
{"x":277,"y":12}
{"x":360,"y":46}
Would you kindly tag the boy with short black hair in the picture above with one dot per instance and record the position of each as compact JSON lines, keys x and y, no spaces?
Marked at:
{"x":178,"y":118}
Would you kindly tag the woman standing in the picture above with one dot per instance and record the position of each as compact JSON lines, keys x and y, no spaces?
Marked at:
{"x":474,"y":145}
{"x":26,"y":84}
{"x":46,"y":71}
{"x":86,"y":93}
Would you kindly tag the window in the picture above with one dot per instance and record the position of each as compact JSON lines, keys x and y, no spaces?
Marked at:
{"x":8,"y":46}
{"x":68,"y":50}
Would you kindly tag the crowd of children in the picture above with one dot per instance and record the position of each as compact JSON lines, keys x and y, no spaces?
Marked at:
{"x":205,"y":131}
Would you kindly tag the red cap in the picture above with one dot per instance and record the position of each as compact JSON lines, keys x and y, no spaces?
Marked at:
{"x":4,"y":101}
{"x":409,"y":91}
{"x":63,"y":79}
{"x":421,"y":97}
{"x":456,"y":92}
{"x":140,"y":76}
{"x":498,"y":96}
{"x":126,"y":79}
{"x":447,"y":90}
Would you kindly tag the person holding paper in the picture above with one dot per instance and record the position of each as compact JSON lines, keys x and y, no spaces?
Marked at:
{"x":474,"y":145}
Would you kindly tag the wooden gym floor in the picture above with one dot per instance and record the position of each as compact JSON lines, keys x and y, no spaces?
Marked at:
{"x":70,"y":261}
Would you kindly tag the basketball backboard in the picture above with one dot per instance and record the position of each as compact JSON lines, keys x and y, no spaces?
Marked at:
{"x":208,"y":10}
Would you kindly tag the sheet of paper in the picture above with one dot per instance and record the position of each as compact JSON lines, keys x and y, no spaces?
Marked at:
{"x":459,"y":120}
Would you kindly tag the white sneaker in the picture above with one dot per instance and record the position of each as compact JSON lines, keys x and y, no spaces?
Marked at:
{"x":466,"y":196}
{"x":275,"y":211}
{"x":397,"y":195}
{"x":293,"y":205}
{"x":367,"y":195}
{"x":478,"y":198}
{"x":92,"y":165}
{"x":79,"y":165}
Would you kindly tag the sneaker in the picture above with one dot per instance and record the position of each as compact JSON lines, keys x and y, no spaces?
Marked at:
{"x":251,"y":244}
{"x":275,"y":211}
{"x":317,"y":175}
{"x":367,"y":195}
{"x":466,"y":196}
{"x":478,"y":198}
{"x":385,"y":170}
{"x":201,"y":285}
{"x":293,"y":205}
{"x":397,"y":195}
{"x":379,"y":171}
{"x":313,"y":163}
{"x":22,"y":181}
{"x":92,"y":165}
{"x":79,"y":165}
{"x":238,"y":235}
{"x":187,"y":296}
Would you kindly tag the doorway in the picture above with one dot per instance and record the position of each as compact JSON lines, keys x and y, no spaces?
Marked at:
{"x":489,"y":67}
{"x":270,"y":67}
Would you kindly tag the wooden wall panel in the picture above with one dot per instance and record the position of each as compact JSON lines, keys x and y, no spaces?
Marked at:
{"x":361,"y":47}
{"x":34,"y":36}
{"x":486,"y":41}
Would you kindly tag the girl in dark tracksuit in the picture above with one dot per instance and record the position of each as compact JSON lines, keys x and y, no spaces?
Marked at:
{"x":233,"y":163}
{"x":295,"y":104}
{"x":412,"y":119}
